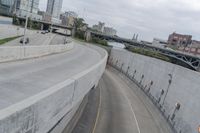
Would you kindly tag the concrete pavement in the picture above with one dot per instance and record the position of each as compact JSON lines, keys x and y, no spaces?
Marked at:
{"x":59,"y":39}
{"x":34,"y":40}
{"x":123,"y":108}
{"x":22,"y":79}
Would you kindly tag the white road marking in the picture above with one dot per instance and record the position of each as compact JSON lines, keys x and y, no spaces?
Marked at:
{"x":130,"y":105}
{"x":132,"y":110}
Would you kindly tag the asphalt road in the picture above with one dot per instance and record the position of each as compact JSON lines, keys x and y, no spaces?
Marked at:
{"x":22,"y":79}
{"x":122,"y":108}
{"x":59,"y":39}
{"x":34,"y":39}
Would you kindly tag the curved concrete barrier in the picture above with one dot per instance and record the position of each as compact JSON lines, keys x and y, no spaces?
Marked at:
{"x":53,"y":107}
{"x":12,"y":53}
{"x":157,"y":75}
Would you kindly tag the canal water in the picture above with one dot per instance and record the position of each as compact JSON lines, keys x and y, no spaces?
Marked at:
{"x":117,"y":45}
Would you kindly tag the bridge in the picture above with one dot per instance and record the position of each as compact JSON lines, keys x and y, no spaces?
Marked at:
{"x":190,"y":61}
{"x":49,"y":24}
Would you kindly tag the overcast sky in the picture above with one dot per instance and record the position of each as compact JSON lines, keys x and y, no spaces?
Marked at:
{"x":148,"y":18}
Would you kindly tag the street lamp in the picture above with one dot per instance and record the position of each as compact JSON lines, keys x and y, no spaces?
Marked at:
{"x":127,"y":70}
{"x":148,"y":90}
{"x":161,"y":93}
{"x":134,"y":74}
{"x":122,"y":67}
{"x":141,"y":79}
{"x":177,"y":108}
{"x":65,"y":37}
{"x":26,"y":23}
{"x":170,"y":81}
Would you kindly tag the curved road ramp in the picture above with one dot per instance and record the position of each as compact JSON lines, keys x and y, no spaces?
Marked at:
{"x":13,"y":53}
{"x":173,"y":89}
{"x":41,"y":95}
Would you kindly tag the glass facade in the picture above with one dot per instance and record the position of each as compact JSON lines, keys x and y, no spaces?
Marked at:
{"x":30,"y":6}
{"x":23,"y":7}
{"x":8,"y":3}
{"x":6,"y":6}
{"x":54,"y":7}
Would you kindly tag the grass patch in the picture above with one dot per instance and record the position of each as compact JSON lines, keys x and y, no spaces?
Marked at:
{"x":150,"y":53}
{"x":5,"y":40}
{"x":80,"y":35}
{"x":99,"y":41}
{"x":173,"y":47}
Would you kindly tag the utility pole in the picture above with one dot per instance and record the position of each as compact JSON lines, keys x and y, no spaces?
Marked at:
{"x":15,"y":7}
{"x":26,"y":23}
{"x":65,"y":37}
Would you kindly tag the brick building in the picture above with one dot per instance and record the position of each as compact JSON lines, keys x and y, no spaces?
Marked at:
{"x":179,"y":39}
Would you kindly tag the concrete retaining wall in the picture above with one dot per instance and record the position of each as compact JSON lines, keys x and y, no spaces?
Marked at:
{"x":12,"y":53}
{"x":184,"y":88}
{"x":43,"y":112}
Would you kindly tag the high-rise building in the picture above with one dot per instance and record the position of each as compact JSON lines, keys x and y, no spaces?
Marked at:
{"x":23,"y":7}
{"x":54,"y":8}
{"x":6,"y":7}
{"x":7,"y":2}
{"x":31,"y":6}
{"x":68,"y":18}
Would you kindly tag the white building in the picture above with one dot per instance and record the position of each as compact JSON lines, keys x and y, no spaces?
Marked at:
{"x":28,"y":7}
{"x":159,"y":43}
{"x":109,"y":31}
{"x":99,"y":27}
{"x":54,"y":8}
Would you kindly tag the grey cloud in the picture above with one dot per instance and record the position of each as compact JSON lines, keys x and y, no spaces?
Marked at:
{"x":149,"y":18}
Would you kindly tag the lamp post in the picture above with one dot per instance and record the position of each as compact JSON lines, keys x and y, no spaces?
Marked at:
{"x":134,"y":74}
{"x":170,"y":81}
{"x":26,"y":23}
{"x":65,"y":37}
{"x":127,"y":71}
{"x":161,"y":93}
{"x":141,"y":79}
{"x":177,"y":108}
{"x":122,"y":67}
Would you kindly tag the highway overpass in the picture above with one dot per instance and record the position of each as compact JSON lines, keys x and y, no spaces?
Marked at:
{"x":38,"y":93}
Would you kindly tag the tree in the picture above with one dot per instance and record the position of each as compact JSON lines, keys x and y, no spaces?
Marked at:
{"x":79,"y":23}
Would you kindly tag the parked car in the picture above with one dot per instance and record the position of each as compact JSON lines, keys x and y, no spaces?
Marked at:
{"x":26,"y":40}
{"x":43,"y":32}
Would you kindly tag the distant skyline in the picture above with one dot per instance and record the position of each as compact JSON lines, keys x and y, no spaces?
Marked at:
{"x":148,"y":18}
